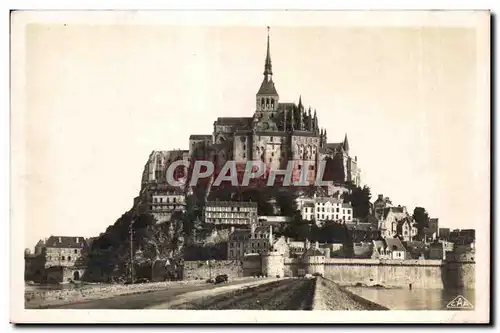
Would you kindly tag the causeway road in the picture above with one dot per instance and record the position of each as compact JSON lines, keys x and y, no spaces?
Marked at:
{"x":285,"y":294}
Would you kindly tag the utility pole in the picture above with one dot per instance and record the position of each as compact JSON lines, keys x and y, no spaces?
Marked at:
{"x":131,"y":232}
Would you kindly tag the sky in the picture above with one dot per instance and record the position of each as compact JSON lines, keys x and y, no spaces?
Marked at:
{"x":100,"y":98}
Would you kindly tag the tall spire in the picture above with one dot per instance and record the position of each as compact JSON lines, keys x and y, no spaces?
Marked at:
{"x":346,"y":144}
{"x":268,"y":68}
{"x":315,"y":125}
{"x":309,"y":116}
{"x":267,"y":87}
{"x":300,"y":102}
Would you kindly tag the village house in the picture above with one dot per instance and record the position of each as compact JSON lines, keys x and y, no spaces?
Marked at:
{"x":257,"y":240}
{"x":237,"y":244}
{"x":224,"y":214}
{"x":164,"y":203}
{"x":380,"y":205}
{"x":395,"y":221}
{"x":58,"y":259}
{"x":260,"y":240}
{"x":389,"y":248}
{"x":407,"y":230}
{"x":64,"y":251}
{"x":320,"y":209}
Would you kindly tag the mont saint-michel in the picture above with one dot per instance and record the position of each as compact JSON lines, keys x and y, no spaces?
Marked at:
{"x":216,"y":245}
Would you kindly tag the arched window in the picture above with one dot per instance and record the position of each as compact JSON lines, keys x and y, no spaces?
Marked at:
{"x":63,"y":258}
{"x":263,"y":101}
{"x":69,"y":258}
{"x":174,"y":200}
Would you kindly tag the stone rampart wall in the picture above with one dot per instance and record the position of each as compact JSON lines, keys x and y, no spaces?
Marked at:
{"x":202,"y":270}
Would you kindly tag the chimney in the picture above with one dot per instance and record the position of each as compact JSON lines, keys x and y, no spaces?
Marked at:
{"x":232,"y":229}
{"x":77,"y":239}
{"x":317,"y":245}
{"x":59,"y":239}
{"x":288,"y":240}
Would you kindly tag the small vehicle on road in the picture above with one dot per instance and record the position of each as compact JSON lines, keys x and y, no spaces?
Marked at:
{"x":221,"y":279}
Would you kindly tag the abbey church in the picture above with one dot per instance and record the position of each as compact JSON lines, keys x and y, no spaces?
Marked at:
{"x":276,"y":133}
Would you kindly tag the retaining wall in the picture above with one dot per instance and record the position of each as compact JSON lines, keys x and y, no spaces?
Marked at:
{"x":201,"y":270}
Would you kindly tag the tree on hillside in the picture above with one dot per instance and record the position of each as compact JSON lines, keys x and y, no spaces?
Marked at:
{"x":331,"y":232}
{"x":261,"y":196}
{"x":421,"y":218}
{"x":286,"y":202}
{"x":298,"y":228}
{"x":360,"y":200}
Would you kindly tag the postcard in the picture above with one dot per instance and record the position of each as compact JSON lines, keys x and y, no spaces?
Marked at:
{"x":287,"y":166}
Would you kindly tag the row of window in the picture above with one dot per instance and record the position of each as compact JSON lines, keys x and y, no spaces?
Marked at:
{"x":62,"y":258}
{"x":168,"y":208}
{"x":227,"y":221}
{"x":227,"y":215}
{"x":230,"y":209}
{"x":323,"y":217}
{"x":267,"y":101}
{"x":325,"y":203}
{"x":56,"y":250}
{"x":167,"y":200}
{"x":327,"y":210}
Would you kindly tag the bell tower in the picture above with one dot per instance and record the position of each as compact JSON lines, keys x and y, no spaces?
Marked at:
{"x":267,"y":97}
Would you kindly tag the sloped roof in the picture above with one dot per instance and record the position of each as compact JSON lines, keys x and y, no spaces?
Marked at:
{"x":313,"y":252}
{"x":200,"y":137}
{"x":235,"y":121}
{"x":287,"y":106}
{"x":261,"y":229}
{"x":334,"y":145}
{"x":394,"y":210}
{"x":231,"y":204}
{"x":415,"y":245}
{"x":168,"y":189}
{"x":394,"y":244}
{"x":267,"y":88}
{"x":237,"y":233}
{"x":66,"y":242}
{"x":327,"y":199}
{"x":308,"y":204}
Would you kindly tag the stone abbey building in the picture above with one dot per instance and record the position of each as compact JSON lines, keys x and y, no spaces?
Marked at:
{"x":276,"y":133}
